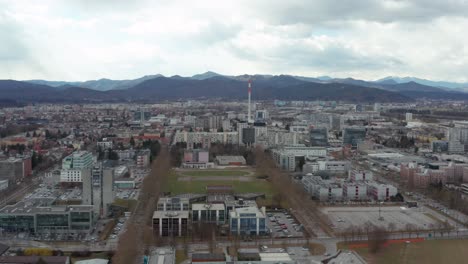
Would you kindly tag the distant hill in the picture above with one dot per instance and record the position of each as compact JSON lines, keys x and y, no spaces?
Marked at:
{"x":277,"y":87}
{"x":411,"y":86}
{"x":441,"y":84}
{"x":205,"y":75}
{"x":99,"y":85}
{"x":214,"y":85}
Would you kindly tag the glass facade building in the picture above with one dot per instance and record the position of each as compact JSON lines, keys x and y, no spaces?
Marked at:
{"x":47,"y":219}
{"x":248,"y":221}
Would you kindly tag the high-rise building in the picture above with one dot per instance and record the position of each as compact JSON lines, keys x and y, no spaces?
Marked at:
{"x":74,"y":164}
{"x":78,"y":160}
{"x":107,"y":189}
{"x":261,"y":115}
{"x":409,"y":117}
{"x":240,"y":127}
{"x":248,"y":135}
{"x":319,"y":137}
{"x":14,"y":169}
{"x":87,"y":193}
{"x":353,"y":136}
{"x":459,"y":132}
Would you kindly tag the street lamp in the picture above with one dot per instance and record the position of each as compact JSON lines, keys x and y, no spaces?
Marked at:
{"x":380,"y":216}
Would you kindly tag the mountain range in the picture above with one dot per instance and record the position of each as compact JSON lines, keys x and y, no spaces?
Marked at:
{"x":213,"y":85}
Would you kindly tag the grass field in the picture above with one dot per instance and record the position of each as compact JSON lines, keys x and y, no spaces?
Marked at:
{"x":255,"y":186}
{"x":214,"y":173}
{"x":427,"y":252}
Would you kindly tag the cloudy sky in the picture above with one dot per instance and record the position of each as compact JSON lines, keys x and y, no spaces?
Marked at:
{"x":86,"y":39}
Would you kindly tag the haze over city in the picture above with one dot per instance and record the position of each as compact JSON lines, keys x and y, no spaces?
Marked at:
{"x":223,"y":132}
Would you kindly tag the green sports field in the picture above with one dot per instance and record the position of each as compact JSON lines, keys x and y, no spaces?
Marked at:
{"x":202,"y":173}
{"x":177,"y":186}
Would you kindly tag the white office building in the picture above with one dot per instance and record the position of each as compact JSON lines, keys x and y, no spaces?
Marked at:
{"x":381,"y":192}
{"x":287,"y":157}
{"x":355,"y":191}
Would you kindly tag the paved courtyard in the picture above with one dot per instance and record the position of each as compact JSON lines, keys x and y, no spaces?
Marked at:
{"x":401,"y":218}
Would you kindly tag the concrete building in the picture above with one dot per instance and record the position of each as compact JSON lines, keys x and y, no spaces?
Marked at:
{"x":105,"y":145}
{"x":209,"y":213}
{"x":196,"y":156}
{"x":78,"y":160}
{"x":456,"y":147}
{"x":358,"y":175}
{"x":331,"y":166}
{"x":261,"y":115}
{"x":299,"y":128}
{"x":381,"y":192}
{"x":322,"y":190}
{"x":230,"y":160}
{"x":248,"y":221}
{"x":107,"y":190}
{"x":173,"y":204}
{"x":459,"y":132}
{"x":248,"y":135}
{"x":409,"y":117}
{"x":73,"y":166}
{"x":353,"y":136}
{"x":226,"y":125}
{"x":319,"y":137}
{"x":170,"y":223}
{"x":143,"y":158}
{"x":15,"y":169}
{"x":87,"y":193}
{"x":439,"y":146}
{"x":71,"y":175}
{"x":281,"y":138}
{"x":287,"y":158}
{"x":355,"y":191}
{"x":240,"y":127}
{"x":192,"y":138}
{"x":39,"y":218}
{"x":196,"y":159}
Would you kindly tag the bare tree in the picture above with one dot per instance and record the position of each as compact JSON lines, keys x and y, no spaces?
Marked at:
{"x":137,"y":237}
{"x":377,"y":238}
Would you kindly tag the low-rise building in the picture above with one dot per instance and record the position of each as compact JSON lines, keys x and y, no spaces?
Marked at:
{"x":35,"y":218}
{"x":381,"y":192}
{"x":230,"y":160}
{"x":287,"y":158}
{"x":355,"y":191}
{"x":173,"y":204}
{"x":209,"y":213}
{"x":170,"y":223}
{"x":248,"y":221}
{"x":358,"y":175}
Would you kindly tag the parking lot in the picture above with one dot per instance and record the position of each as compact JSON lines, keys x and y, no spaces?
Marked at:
{"x":283,"y":224}
{"x":400,"y":218}
{"x":127,"y":194}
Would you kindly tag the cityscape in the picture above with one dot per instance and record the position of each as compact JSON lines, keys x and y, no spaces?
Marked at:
{"x":214,"y":162}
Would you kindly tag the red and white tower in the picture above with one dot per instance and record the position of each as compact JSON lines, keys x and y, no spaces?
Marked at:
{"x":249,"y":114}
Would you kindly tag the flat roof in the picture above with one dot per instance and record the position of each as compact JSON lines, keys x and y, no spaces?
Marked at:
{"x":30,"y":207}
{"x":205,"y":206}
{"x":276,"y":257}
{"x":170,"y":214}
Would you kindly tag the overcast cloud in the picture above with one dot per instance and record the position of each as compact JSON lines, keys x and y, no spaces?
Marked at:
{"x":78,"y":40}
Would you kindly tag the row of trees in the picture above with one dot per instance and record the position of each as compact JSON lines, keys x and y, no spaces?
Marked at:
{"x":139,"y":236}
{"x":291,"y":195}
{"x":11,"y":129}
